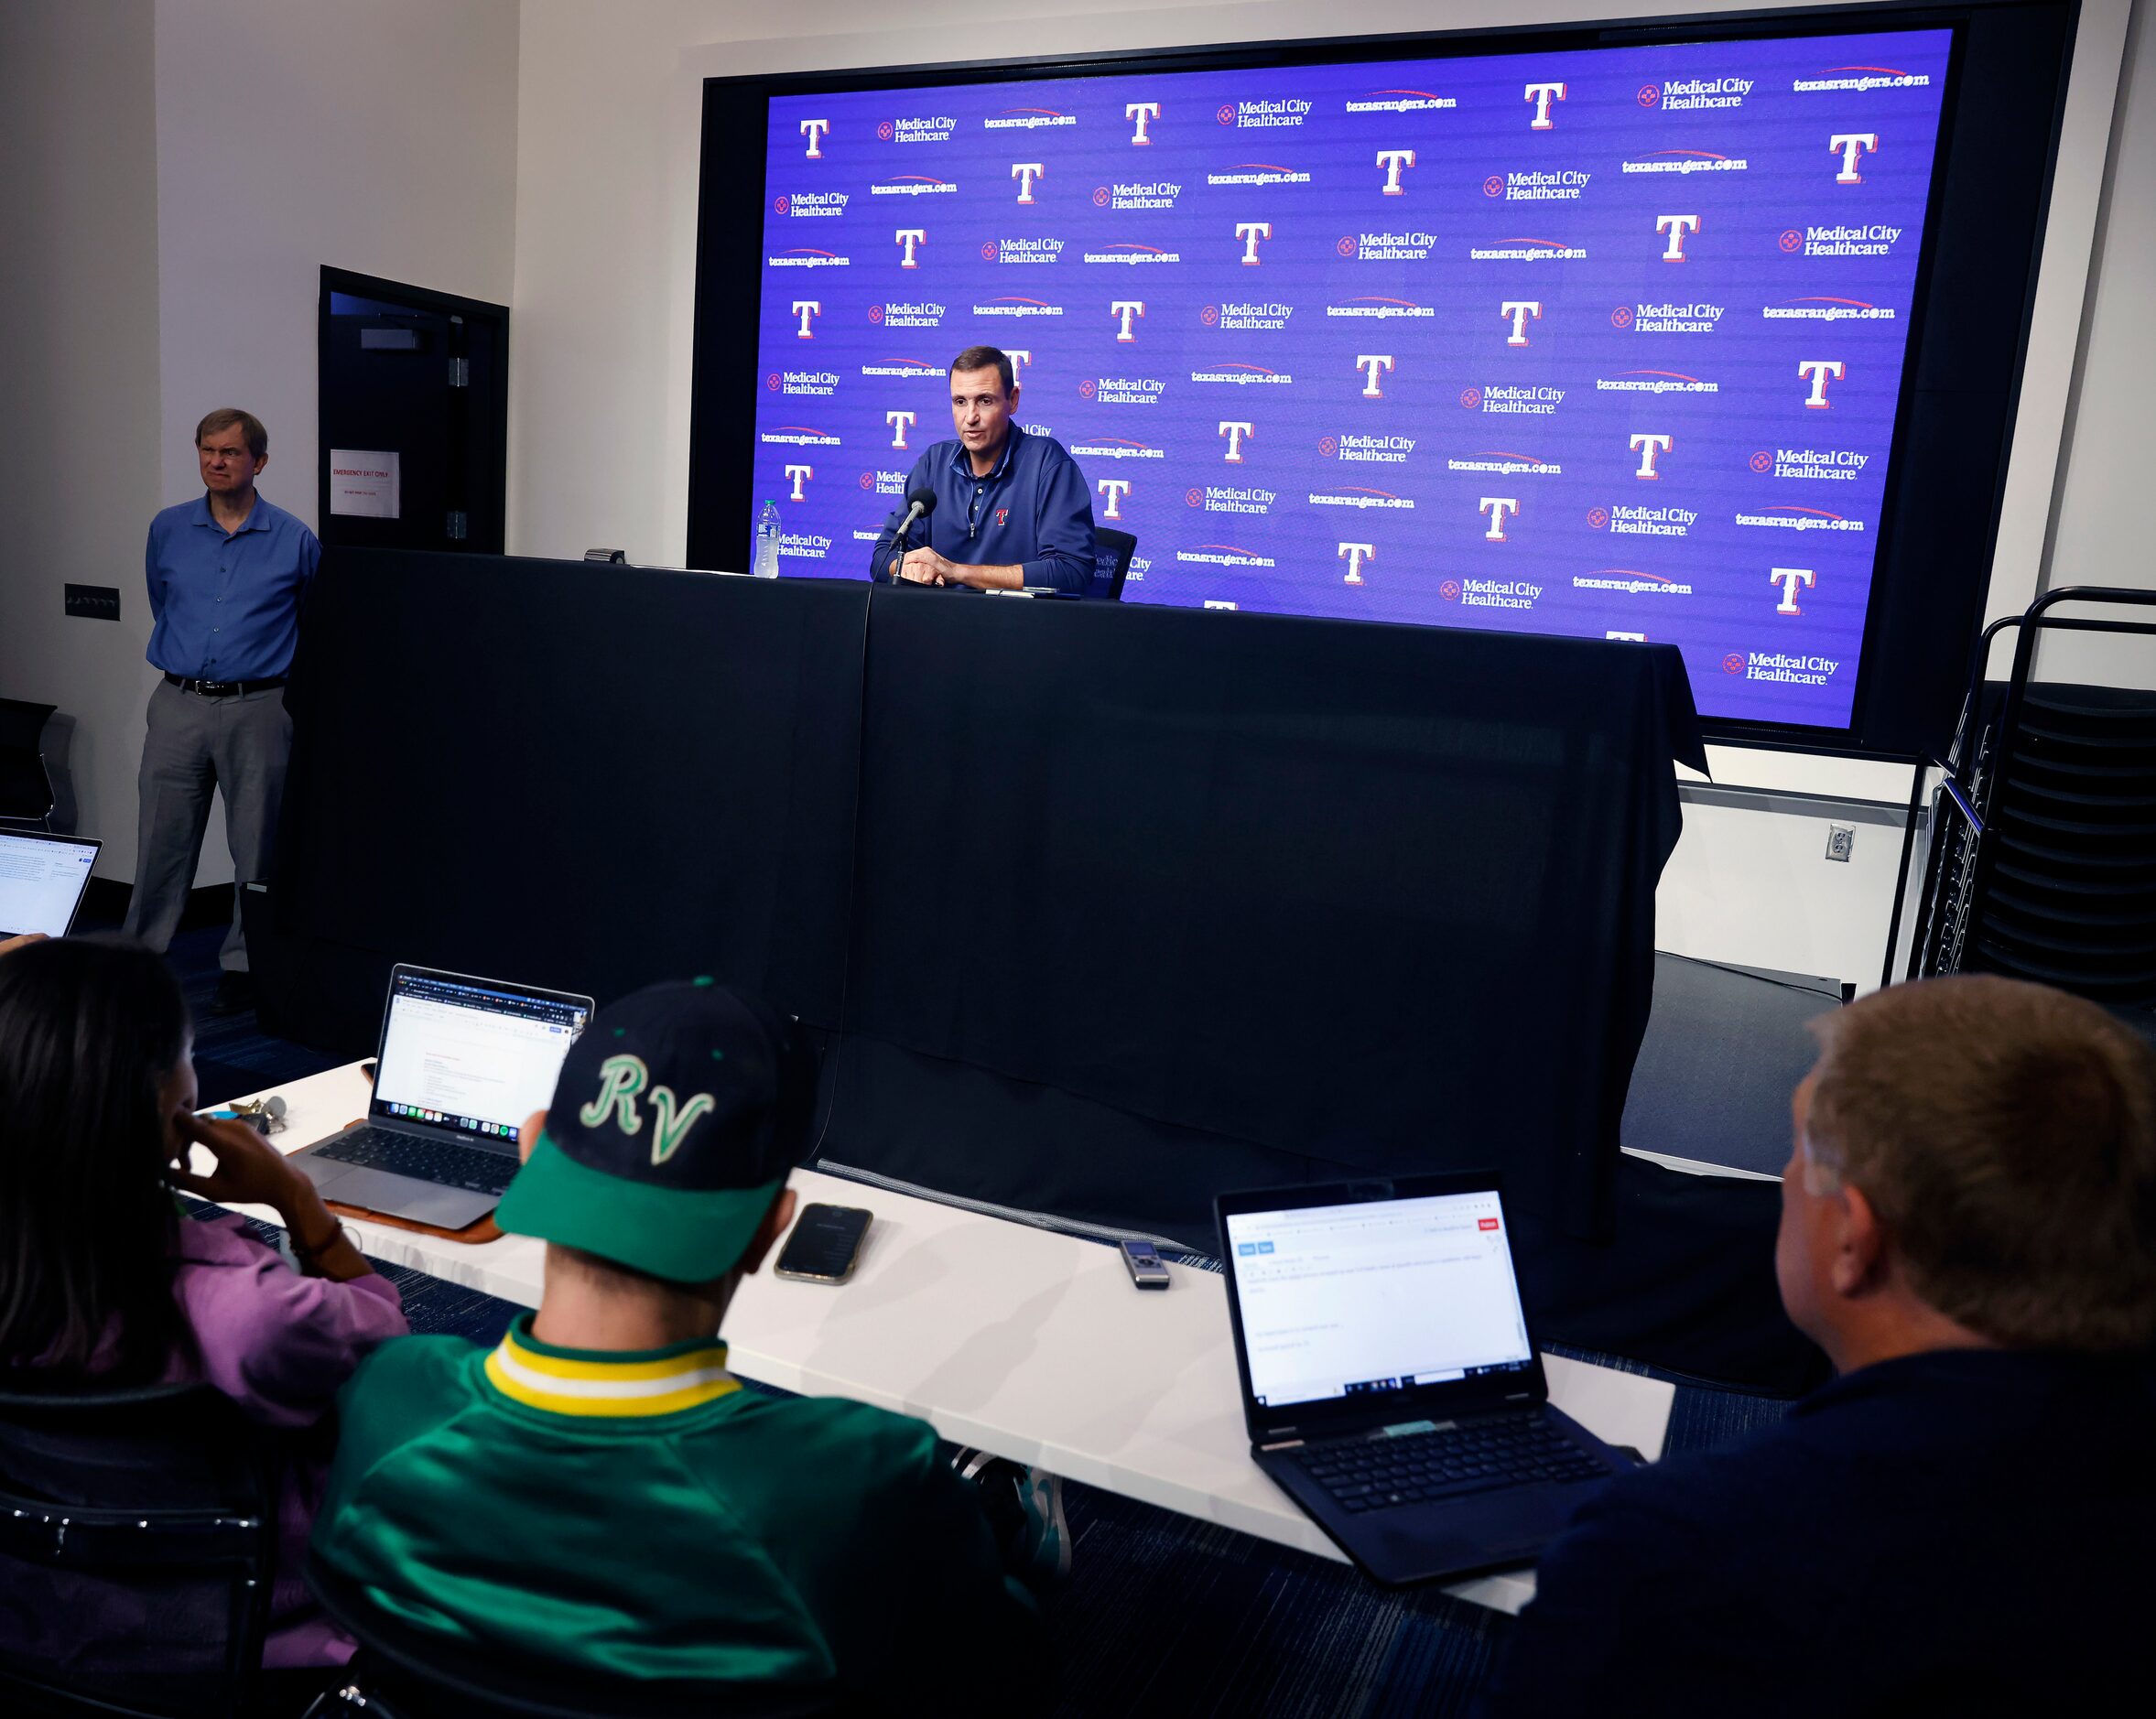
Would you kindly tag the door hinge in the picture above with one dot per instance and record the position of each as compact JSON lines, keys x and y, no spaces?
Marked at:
{"x":460,"y":372}
{"x":458,"y":524}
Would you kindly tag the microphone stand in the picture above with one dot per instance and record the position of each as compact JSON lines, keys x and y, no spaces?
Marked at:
{"x":905,"y":530}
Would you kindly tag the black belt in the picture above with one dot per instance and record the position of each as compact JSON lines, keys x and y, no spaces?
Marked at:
{"x":223,"y":688}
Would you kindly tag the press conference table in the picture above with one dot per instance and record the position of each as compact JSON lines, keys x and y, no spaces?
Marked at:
{"x":1019,"y":1341}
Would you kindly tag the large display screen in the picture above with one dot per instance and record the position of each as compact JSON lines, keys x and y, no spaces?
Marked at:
{"x":1606,"y":342}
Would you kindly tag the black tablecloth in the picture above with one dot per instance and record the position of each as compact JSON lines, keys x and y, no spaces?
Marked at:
{"x":1101,"y":909}
{"x":1370,"y":898}
{"x":579,"y":777}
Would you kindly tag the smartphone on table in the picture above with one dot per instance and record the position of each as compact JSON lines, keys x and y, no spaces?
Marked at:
{"x":825,"y":1244}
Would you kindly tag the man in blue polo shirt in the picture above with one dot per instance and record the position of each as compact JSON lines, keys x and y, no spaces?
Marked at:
{"x":228,"y":575}
{"x":1011,"y":509}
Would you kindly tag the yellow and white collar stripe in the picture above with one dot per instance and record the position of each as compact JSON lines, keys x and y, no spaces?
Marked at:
{"x":561,"y":1385}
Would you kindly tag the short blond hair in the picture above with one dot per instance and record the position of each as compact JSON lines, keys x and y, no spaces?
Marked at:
{"x":2004,"y":1133}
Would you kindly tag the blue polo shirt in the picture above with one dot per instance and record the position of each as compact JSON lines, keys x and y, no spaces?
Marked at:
{"x":1031,"y":512}
{"x":227,"y":608}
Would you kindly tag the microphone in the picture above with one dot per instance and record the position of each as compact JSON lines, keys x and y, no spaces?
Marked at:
{"x":919,"y":505}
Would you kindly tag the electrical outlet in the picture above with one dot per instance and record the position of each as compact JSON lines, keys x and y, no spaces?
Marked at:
{"x":1841,"y":841}
{"x":94,"y":602}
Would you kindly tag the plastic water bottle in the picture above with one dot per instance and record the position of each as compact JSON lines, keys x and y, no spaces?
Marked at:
{"x":765,"y":565}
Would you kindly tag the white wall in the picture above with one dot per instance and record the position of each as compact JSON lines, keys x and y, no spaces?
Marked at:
{"x":2100,"y":526}
{"x":79,"y":372}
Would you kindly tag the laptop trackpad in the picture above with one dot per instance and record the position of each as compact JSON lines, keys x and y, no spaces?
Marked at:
{"x":406,"y":1197}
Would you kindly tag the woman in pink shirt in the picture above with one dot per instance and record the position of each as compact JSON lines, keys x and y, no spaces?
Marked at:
{"x":103,"y":1281}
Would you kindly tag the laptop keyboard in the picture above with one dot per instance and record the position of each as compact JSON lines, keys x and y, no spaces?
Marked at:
{"x":1375,"y":1474}
{"x":444,"y":1162}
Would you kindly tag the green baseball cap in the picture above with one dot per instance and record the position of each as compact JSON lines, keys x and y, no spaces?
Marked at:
{"x":674,"y":1120}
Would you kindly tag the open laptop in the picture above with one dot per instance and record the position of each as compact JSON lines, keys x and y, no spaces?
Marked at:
{"x":42,"y":881}
{"x":461,"y":1063}
{"x":1390,"y":1382}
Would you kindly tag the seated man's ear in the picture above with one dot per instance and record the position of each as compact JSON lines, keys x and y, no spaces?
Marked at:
{"x":527,"y":1136}
{"x":768,"y":1232}
{"x":1859,"y":1260}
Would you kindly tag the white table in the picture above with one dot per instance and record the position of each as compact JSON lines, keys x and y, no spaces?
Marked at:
{"x":1016,"y":1340}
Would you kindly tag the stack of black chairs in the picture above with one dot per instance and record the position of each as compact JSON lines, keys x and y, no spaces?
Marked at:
{"x":2043,"y":860}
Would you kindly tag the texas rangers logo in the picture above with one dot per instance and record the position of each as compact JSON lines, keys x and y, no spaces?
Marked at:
{"x":1850,"y":146}
{"x":1790,"y":578}
{"x":1676,"y":226}
{"x":1520,"y":309}
{"x":1650,"y":448}
{"x":806,"y":308}
{"x":1114,"y":489}
{"x":1819,"y":370}
{"x":1542,"y":95}
{"x":800,"y":475}
{"x":1139,"y":113}
{"x":1125,"y":308}
{"x":1249,"y":233}
{"x":1396,"y":162}
{"x":1025,"y":173}
{"x":1497,"y":507}
{"x":1355,"y":554}
{"x":814,"y":130}
{"x":908,"y":237}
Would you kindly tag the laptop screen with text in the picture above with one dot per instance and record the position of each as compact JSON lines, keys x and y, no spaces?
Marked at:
{"x":1383,"y":1295}
{"x":471,"y":1056}
{"x":41,"y":883}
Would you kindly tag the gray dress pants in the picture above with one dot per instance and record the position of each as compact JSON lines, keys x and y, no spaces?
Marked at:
{"x":195,"y":746}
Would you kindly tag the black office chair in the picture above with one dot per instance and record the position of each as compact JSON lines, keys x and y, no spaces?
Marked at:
{"x":1111,"y":562}
{"x":137,"y":1543}
{"x":26,"y":785}
{"x":400,"y":1673}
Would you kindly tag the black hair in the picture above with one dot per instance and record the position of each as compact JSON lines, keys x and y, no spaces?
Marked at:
{"x":89,"y":1033}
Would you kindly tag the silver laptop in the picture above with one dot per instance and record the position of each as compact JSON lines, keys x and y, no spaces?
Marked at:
{"x":461,"y":1063}
{"x":42,"y":881}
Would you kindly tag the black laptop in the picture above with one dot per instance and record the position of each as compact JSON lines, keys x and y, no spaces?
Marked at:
{"x":1390,"y":1382}
{"x":462,"y":1062}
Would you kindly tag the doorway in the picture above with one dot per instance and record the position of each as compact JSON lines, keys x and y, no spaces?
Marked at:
{"x":414,"y":416}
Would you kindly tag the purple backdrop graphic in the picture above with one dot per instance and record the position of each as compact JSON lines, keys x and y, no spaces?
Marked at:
{"x":1605,"y":343}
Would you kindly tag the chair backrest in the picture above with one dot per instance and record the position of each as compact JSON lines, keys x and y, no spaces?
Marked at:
{"x":25,"y":786}
{"x":417,"y":1674}
{"x":1111,"y":562}
{"x":138,"y":1545}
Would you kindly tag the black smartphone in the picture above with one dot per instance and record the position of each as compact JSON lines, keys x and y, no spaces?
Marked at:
{"x":825,"y":1244}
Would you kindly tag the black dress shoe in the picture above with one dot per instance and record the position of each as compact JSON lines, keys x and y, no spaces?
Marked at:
{"x":235,"y":994}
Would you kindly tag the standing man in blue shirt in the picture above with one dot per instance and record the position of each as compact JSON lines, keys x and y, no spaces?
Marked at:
{"x":1011,"y":509}
{"x":228,"y":576}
